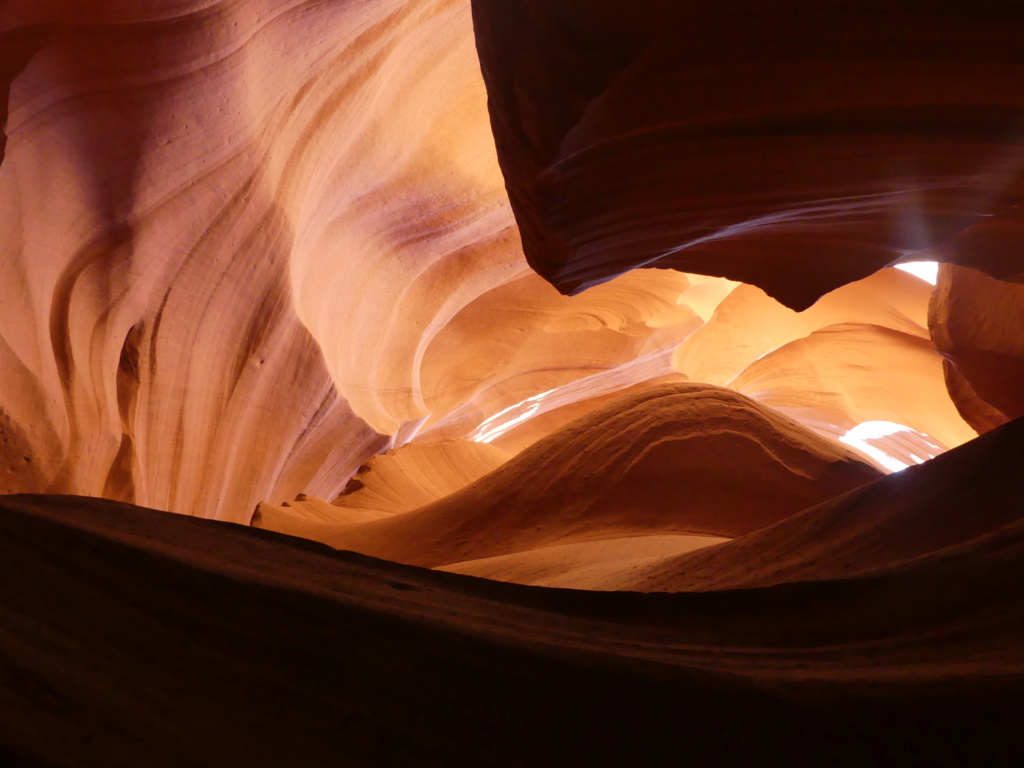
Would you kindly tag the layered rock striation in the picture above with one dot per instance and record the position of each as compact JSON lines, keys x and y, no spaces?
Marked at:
{"x":797,"y":146}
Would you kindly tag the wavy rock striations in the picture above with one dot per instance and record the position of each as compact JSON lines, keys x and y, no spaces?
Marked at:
{"x":262,"y":261}
{"x":958,"y":511}
{"x":204,"y":227}
{"x":185,"y":194}
{"x":797,"y":146}
{"x":388,"y":484}
{"x":977,"y":324}
{"x":675,"y":459}
{"x":901,"y":635}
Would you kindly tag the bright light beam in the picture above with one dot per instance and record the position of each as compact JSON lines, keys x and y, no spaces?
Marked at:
{"x":871,"y":430}
{"x":489,"y":431}
{"x":925,"y":270}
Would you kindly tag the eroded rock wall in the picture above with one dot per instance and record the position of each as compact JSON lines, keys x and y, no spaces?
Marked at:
{"x":794,"y":145}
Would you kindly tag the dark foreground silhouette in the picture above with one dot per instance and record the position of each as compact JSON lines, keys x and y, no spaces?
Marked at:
{"x":138,"y":638}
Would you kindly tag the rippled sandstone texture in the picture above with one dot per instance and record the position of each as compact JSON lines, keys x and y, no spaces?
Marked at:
{"x":675,"y":459}
{"x":250,"y":249}
{"x":235,"y":268}
{"x":204,"y":224}
{"x":234,"y":272}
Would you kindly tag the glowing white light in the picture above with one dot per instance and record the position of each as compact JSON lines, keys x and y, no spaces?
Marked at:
{"x":487,"y":431}
{"x":926,"y":270}
{"x":872,"y":430}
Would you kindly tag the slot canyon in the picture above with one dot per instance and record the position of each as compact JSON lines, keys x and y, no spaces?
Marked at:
{"x":511,"y":383}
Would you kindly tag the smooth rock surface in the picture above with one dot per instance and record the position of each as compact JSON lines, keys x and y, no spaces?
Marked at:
{"x":797,"y":146}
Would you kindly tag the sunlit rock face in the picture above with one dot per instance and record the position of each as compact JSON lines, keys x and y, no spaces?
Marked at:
{"x":797,"y":146}
{"x":237,"y":271}
{"x":397,"y":481}
{"x":677,"y":459}
{"x":262,"y":261}
{"x":918,"y":517}
{"x":224,"y":253}
{"x":861,"y":354}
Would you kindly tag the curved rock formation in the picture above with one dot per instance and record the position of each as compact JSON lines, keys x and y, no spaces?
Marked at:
{"x":860,"y":356}
{"x":267,"y":251}
{"x":957,"y":511}
{"x":901,"y":636}
{"x":803,"y":145}
{"x":203,"y":228}
{"x":748,"y":324}
{"x":978,"y":327}
{"x":586,"y":564}
{"x":194,"y":264}
{"x":523,"y":344}
{"x":391,"y":483}
{"x":862,"y":373}
{"x":962,"y":506}
{"x":418,"y":474}
{"x":673,"y":459}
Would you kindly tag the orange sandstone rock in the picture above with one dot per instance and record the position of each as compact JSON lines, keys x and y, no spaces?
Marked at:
{"x":673,"y":459}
